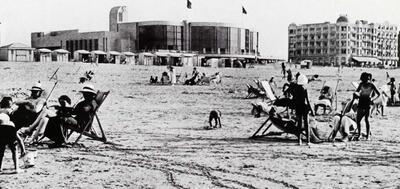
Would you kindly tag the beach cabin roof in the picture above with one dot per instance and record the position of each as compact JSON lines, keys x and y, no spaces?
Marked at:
{"x":147,"y":54}
{"x":61,"y":51}
{"x":166,"y":54}
{"x":366,"y":59}
{"x":128,"y":53}
{"x":82,"y":52}
{"x":44,"y":50}
{"x":98,"y":52}
{"x":17,"y":46}
{"x":114,"y":53}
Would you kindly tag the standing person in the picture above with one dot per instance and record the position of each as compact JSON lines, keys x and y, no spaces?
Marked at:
{"x":283,"y":69}
{"x":9,"y":137}
{"x":172,"y":75}
{"x":392,"y":90}
{"x":364,"y":93}
{"x":387,"y":76}
{"x":289,"y":75}
{"x":398,"y":91}
{"x":302,"y":105}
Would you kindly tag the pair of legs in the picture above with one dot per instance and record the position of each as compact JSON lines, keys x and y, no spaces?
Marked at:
{"x":38,"y":126}
{"x":303,"y":117}
{"x":363,"y":113}
{"x":14,"y":152}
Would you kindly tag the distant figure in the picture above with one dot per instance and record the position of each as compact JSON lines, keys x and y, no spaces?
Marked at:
{"x":88,"y":76}
{"x":215,"y":115}
{"x":364,"y":92}
{"x":283,"y":69}
{"x":387,"y":76}
{"x":172,"y":75}
{"x":289,"y":75}
{"x":153,"y":80}
{"x":392,"y":90}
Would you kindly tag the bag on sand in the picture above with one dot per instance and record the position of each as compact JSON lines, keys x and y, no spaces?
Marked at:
{"x":29,"y":159}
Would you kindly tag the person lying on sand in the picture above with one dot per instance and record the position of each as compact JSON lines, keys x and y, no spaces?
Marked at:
{"x":216,"y":78}
{"x":9,"y":137}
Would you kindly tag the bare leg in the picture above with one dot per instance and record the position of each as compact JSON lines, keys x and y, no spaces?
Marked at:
{"x":359,"y":117}
{"x":40,"y":129}
{"x":367,"y":124}
{"x":219,"y":121}
{"x":14,"y":157}
{"x":2,"y":149}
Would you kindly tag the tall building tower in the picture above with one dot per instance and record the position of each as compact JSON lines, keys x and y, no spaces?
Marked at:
{"x":117,"y":15}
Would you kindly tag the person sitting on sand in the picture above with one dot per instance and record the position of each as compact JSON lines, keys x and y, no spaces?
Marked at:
{"x":81,"y":115}
{"x":9,"y":137}
{"x":172,"y":75}
{"x":364,"y":93}
{"x":29,"y":109}
{"x":165,"y":78}
{"x":346,"y":123}
{"x":325,"y":99}
{"x":216,"y":78}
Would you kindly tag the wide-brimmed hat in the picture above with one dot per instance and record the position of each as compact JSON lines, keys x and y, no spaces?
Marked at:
{"x":88,"y":88}
{"x":36,"y":87}
{"x":5,"y":120}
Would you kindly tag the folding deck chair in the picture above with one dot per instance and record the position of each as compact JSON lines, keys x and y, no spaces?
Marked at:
{"x":283,"y":124}
{"x":88,"y":130}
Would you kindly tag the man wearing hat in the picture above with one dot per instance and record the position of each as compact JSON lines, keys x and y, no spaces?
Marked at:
{"x":29,"y":108}
{"x":9,"y":137}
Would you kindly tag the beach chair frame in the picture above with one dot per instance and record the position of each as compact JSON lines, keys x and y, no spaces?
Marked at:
{"x":88,"y":129}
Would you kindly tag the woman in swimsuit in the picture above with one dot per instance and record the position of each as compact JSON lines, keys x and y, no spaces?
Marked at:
{"x":364,"y":92}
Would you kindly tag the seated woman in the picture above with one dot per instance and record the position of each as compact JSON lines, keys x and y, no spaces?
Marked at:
{"x":325,"y":99}
{"x":81,"y":116}
{"x":63,"y":110}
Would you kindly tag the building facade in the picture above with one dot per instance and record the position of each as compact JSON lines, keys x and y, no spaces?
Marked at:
{"x":344,"y":43}
{"x":150,"y":36}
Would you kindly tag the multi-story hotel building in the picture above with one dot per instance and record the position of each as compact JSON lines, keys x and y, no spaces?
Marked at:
{"x":344,"y":43}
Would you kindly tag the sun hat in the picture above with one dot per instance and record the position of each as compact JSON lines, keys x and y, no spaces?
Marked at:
{"x":88,"y":88}
{"x":302,"y":80}
{"x":5,"y":120}
{"x":37,"y":87}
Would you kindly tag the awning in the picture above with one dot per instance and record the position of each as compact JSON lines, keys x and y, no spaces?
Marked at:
{"x":366,"y":59}
{"x":115,"y":53}
{"x":188,"y":54}
{"x":61,"y":51}
{"x":82,"y":52}
{"x":128,"y":54}
{"x":99,"y":52}
{"x":44,"y":50}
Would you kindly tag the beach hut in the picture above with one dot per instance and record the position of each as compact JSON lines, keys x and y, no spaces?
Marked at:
{"x":146,"y":59}
{"x":189,"y":59}
{"x":128,"y":58}
{"x":99,"y":56}
{"x":43,"y":55}
{"x":82,"y":55}
{"x":60,"y":55}
{"x":114,"y":57}
{"x":16,"y":52}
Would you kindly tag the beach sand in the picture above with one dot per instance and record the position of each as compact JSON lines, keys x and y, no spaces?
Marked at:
{"x":160,"y":141}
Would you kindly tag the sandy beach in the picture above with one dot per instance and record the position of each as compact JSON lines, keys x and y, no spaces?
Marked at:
{"x":160,"y":141}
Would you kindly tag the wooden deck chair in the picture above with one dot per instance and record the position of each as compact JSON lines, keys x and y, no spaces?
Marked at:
{"x":285,"y":125}
{"x":88,"y":129}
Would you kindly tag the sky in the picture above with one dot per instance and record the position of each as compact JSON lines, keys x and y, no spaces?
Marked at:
{"x":269,"y":17}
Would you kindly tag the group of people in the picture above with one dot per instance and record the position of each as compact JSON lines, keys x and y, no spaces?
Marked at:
{"x":33,"y":119}
{"x":196,"y":78}
{"x":352,"y":115}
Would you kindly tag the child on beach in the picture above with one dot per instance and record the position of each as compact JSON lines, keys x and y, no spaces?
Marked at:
{"x":302,"y":105}
{"x":364,"y":93}
{"x":9,"y":137}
